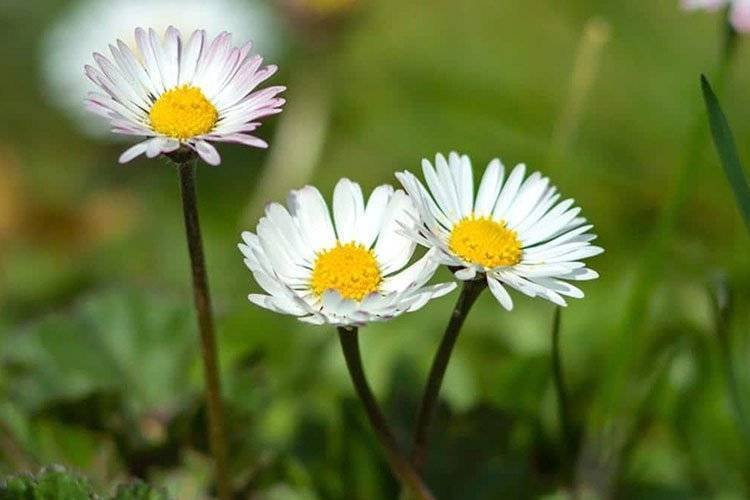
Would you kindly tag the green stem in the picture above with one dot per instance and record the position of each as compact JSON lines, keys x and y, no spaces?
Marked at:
{"x":469,"y":294}
{"x":400,"y":466}
{"x":186,"y":168}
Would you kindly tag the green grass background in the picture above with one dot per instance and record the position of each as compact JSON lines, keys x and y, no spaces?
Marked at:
{"x":98,"y":359}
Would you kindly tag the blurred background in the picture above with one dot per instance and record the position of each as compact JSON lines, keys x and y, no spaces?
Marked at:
{"x":99,"y":367}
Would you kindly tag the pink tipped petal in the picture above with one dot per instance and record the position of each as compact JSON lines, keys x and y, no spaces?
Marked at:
{"x":711,"y":5}
{"x":247,"y":140}
{"x":740,"y":16}
{"x":226,"y":75}
{"x":133,"y":151}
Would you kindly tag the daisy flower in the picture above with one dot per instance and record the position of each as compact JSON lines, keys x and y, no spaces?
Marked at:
{"x":739,"y":10}
{"x":345,"y":271}
{"x":514,"y":232}
{"x":67,"y":45}
{"x":177,"y":93}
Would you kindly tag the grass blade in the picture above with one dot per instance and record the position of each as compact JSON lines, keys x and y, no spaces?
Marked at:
{"x":725,"y":146}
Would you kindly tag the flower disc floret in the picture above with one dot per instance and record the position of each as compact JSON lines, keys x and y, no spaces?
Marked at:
{"x":183,"y":113}
{"x":350,"y":269}
{"x":483,"y":241}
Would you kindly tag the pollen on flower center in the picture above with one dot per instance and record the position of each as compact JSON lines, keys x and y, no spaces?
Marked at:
{"x":182,"y":113}
{"x":483,"y":241}
{"x":350,"y":269}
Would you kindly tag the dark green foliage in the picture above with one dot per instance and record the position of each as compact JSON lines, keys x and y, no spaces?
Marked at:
{"x":139,"y":490}
{"x":57,"y":483}
{"x":52,"y":483}
{"x":98,"y":354}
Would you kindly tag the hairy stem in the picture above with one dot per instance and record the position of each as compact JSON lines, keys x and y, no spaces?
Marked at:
{"x":186,"y":169}
{"x":400,"y":466}
{"x":469,"y":294}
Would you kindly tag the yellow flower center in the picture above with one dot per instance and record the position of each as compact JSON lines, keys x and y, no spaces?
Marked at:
{"x":483,"y":241}
{"x":182,"y":113}
{"x":350,"y":269}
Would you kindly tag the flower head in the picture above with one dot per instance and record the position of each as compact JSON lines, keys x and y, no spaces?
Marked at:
{"x":513,"y":232}
{"x":347,"y":271}
{"x":67,"y":45}
{"x":183,"y":92}
{"x":739,"y":11}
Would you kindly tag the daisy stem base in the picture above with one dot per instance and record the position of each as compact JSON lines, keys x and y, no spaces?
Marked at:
{"x":399,"y":464}
{"x":469,"y":294}
{"x":186,"y":169}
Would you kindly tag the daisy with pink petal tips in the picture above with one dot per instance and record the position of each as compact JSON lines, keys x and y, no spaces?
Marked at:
{"x":183,"y":92}
{"x":739,"y":11}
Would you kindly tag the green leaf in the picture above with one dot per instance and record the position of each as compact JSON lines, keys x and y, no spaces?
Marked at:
{"x":51,"y":483}
{"x":137,"y":346}
{"x":57,"y":483}
{"x":139,"y":490}
{"x":725,"y":146}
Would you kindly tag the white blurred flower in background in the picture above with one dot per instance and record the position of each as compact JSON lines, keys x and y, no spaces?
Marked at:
{"x":92,"y":24}
{"x":739,"y":11}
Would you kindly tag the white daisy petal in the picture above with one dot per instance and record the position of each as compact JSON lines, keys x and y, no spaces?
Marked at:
{"x":309,"y":209}
{"x":467,"y":273}
{"x":509,"y":191}
{"x":149,"y":59}
{"x":282,"y":257}
{"x":419,"y":272}
{"x":582,"y":275}
{"x":447,"y":180}
{"x":428,"y":293}
{"x":172,"y":48}
{"x":431,"y":213}
{"x":528,"y":198}
{"x":373,"y":216}
{"x":440,"y":192}
{"x":348,"y":209}
{"x":283,"y":221}
{"x":500,"y":293}
{"x":463,"y":177}
{"x":489,"y":188}
{"x":548,"y":200}
{"x":392,"y":248}
{"x":191,"y":52}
